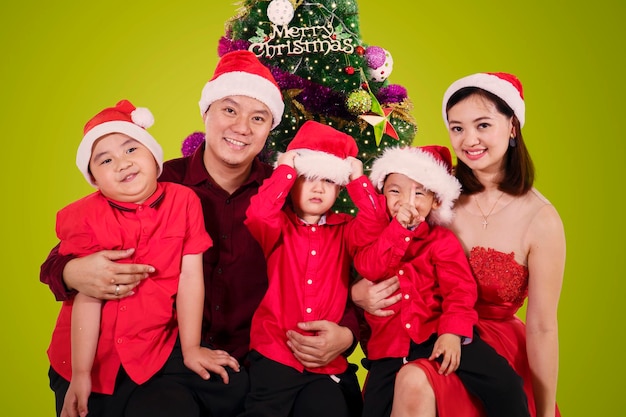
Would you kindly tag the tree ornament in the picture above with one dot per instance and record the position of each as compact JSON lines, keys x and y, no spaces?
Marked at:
{"x":349,"y":70}
{"x":376,"y":72}
{"x":359,"y":102}
{"x":359,"y":50}
{"x":280,"y":12}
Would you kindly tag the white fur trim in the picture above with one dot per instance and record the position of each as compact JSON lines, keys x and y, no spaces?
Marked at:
{"x":240,"y":83}
{"x":316,"y":164}
{"x":143,"y":117}
{"x":421,"y":167}
{"x":83,"y":155}
{"x":495,"y":85}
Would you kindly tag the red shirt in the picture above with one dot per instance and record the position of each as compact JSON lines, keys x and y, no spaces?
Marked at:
{"x":308,"y":269}
{"x":436,"y":283}
{"x":139,"y":331}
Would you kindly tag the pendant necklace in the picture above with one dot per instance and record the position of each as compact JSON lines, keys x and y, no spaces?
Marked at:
{"x":486,"y":216}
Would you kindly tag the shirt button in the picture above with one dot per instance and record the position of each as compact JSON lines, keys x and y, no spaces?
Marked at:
{"x":408,"y":325}
{"x":364,"y":185}
{"x":406,"y":239}
{"x":313,"y":229}
{"x":313,"y":252}
{"x":401,"y":272}
{"x":217,"y":307}
{"x":228,"y":201}
{"x":406,"y":296}
{"x":119,"y":341}
{"x":123,"y":308}
{"x":308,"y":310}
{"x":310,"y":282}
{"x":289,"y":176}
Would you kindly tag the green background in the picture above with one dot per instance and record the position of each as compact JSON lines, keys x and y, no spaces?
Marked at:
{"x":63,"y":61}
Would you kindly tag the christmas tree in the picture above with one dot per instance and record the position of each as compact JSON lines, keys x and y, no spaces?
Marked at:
{"x":326,"y":73}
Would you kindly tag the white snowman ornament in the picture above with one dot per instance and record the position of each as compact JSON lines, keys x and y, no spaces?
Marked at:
{"x":381,"y":72}
{"x":280,"y":12}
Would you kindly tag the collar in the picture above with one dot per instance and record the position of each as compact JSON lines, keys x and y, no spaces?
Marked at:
{"x":197,"y":174}
{"x":153,"y":201}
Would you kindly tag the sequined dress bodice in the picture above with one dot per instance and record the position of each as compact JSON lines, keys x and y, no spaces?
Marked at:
{"x":502,"y":282}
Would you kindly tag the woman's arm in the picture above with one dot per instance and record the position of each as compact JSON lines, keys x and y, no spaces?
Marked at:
{"x":546,"y":264}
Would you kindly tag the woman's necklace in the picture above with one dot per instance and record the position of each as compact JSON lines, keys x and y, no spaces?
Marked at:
{"x":486,"y":216}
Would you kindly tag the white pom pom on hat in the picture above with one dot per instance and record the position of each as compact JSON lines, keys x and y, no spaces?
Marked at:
{"x":431,"y":166}
{"x":323,"y":152}
{"x":123,"y":118}
{"x":240,"y":73}
{"x":504,"y":85}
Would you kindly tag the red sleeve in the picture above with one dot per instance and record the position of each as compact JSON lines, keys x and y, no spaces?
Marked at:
{"x":264,"y":216}
{"x":458,"y":286}
{"x":51,"y":274}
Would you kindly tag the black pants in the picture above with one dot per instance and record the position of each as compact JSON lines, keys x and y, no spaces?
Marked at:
{"x":175,"y":391}
{"x":484,"y":373}
{"x":277,"y":390}
{"x":99,"y":405}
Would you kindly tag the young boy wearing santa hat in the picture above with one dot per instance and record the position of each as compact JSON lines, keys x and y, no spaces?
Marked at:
{"x":400,"y":231}
{"x":100,"y":352}
{"x":308,"y":264}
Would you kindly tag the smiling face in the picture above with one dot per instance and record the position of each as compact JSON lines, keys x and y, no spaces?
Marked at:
{"x":313,"y":198}
{"x":123,"y":169}
{"x":398,"y":189}
{"x":236,"y":129}
{"x":479,"y":133}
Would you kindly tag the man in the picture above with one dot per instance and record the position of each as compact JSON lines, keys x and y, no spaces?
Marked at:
{"x":240,"y":105}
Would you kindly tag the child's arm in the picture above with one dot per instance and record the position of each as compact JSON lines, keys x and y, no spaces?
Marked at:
{"x":189,"y":307}
{"x":86,"y":312}
{"x":264,"y":216}
{"x":376,"y":244}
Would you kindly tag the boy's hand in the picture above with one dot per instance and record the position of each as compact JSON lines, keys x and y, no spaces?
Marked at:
{"x":407,"y":215}
{"x":356,"y":168}
{"x":77,"y":395}
{"x":287,"y":158}
{"x":203,"y":360}
{"x":448,"y":345}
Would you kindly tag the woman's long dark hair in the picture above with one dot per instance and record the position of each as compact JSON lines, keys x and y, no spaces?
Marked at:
{"x":519,"y":171}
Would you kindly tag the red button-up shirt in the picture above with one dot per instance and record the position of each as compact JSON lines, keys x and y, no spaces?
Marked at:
{"x":308,"y":269}
{"x":436,"y":283}
{"x":139,"y":331}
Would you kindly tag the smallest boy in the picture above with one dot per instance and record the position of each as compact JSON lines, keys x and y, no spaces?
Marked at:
{"x":400,"y":233}
{"x":100,"y":352}
{"x":308,"y":264}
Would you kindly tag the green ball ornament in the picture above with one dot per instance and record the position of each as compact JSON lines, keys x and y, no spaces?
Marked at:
{"x":359,"y":102}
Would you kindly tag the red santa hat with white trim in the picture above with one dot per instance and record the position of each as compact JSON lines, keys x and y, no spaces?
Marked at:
{"x":504,"y":85}
{"x":431,"y":166}
{"x":123,"y":118}
{"x":323,"y":152}
{"x":240,"y":73}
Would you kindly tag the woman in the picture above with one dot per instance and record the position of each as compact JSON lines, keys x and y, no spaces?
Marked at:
{"x":515,"y":242}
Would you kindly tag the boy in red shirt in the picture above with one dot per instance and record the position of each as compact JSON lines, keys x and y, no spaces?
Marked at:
{"x":100,"y":351}
{"x":400,"y":232}
{"x":308,"y":263}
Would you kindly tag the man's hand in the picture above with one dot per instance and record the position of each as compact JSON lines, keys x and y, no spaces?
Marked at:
{"x":99,"y":275}
{"x":329,"y":341}
{"x":376,"y":298}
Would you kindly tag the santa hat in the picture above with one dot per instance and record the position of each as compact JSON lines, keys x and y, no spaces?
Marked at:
{"x":504,"y":85}
{"x":431,"y":166}
{"x":123,"y":118}
{"x":323,"y":152}
{"x":240,"y":73}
